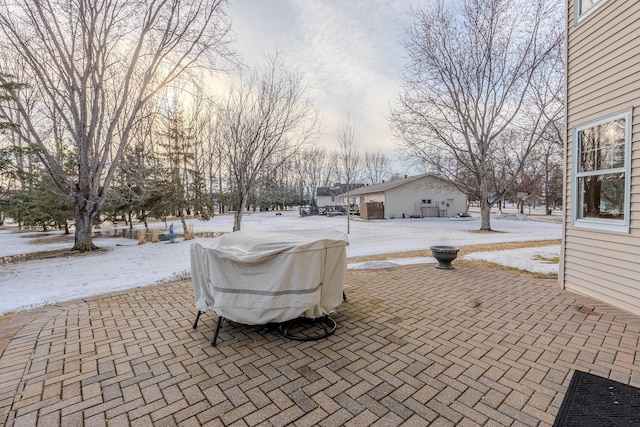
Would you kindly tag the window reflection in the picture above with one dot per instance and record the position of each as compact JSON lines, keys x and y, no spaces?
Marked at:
{"x":602,"y":173}
{"x":585,"y":5}
{"x":602,"y":196}
{"x":602,"y":147}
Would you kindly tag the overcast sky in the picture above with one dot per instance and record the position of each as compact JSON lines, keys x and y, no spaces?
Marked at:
{"x":350,"y":52}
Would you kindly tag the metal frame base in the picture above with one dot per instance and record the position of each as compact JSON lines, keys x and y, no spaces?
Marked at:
{"x":301,"y":329}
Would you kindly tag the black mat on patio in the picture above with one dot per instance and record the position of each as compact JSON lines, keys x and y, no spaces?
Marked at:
{"x":596,"y":401}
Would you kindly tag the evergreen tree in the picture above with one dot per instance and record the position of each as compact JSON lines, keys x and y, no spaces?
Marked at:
{"x":8,"y":87}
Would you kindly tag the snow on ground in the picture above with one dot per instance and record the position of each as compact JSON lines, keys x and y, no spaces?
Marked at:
{"x":536,"y":260}
{"x":127,"y":265}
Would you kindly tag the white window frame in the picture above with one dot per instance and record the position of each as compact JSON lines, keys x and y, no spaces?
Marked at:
{"x":580,"y":18}
{"x":603,"y":224}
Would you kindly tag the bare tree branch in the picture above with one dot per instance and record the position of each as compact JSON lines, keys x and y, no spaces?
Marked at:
{"x":474,"y":102}
{"x":95,"y":65}
{"x":264,"y":121}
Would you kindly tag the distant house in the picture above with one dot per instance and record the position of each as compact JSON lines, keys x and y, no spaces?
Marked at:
{"x":329,"y":196}
{"x":601,"y":237}
{"x":412,"y":196}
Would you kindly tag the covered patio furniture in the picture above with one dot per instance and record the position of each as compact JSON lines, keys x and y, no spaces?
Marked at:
{"x":265,"y":277}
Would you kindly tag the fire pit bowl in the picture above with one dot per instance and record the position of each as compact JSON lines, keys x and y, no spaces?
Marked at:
{"x":444,"y":255}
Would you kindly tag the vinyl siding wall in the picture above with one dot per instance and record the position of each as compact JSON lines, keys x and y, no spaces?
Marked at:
{"x":603,"y":78}
{"x":407,"y":199}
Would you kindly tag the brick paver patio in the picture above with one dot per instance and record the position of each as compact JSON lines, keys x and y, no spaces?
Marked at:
{"x":414,"y":346}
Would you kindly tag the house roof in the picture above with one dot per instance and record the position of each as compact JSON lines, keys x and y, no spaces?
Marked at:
{"x":385,"y":186}
{"x":336,"y":189}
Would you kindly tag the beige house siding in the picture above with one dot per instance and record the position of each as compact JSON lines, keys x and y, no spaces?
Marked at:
{"x":603,"y":78}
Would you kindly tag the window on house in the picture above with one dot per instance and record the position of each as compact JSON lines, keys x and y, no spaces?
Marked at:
{"x":602,"y":180}
{"x":586,"y":7}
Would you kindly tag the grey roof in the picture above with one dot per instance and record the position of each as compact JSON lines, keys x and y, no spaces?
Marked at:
{"x":384,"y":186}
{"x":336,"y":189}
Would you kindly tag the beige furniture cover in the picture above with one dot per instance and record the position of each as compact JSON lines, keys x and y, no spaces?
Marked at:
{"x":255,"y":278}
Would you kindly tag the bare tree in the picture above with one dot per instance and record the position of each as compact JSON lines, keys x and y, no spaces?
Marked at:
{"x":330,"y":174}
{"x":376,"y":166}
{"x":552,"y":138}
{"x":204,"y":167}
{"x":95,"y":64}
{"x":471,"y":85}
{"x":547,"y":162}
{"x":309,"y":165}
{"x":349,"y":158}
{"x":264,"y":121}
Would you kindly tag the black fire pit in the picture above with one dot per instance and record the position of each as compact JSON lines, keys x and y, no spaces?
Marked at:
{"x":444,"y":255}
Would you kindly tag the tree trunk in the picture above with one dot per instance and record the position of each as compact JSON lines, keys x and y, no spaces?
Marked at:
{"x":237,"y":217}
{"x":485,"y":206}
{"x":184,"y":223}
{"x":84,"y":226}
{"x":485,"y":214}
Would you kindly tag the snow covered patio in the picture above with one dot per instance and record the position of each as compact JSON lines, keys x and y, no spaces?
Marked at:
{"x":415,"y":346}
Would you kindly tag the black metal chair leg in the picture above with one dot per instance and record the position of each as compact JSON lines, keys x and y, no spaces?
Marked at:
{"x":215,"y":335}
{"x":195,"y":324}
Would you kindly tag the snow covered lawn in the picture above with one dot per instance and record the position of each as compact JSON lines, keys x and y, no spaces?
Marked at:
{"x":126,"y":264}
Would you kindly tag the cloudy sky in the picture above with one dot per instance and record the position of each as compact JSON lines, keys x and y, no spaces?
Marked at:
{"x":350,"y":52}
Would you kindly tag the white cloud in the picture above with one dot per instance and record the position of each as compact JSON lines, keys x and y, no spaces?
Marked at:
{"x":350,"y":52}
